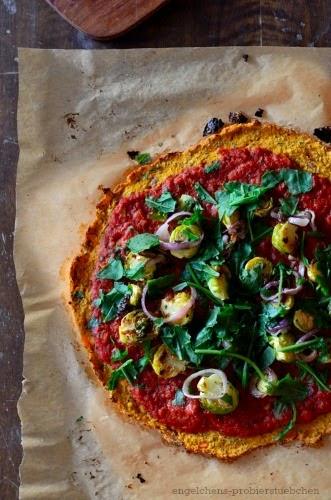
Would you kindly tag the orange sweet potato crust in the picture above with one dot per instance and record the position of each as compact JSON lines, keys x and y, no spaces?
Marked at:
{"x":311,"y":154}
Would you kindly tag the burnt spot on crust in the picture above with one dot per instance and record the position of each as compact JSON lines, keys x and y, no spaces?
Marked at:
{"x":259,"y":112}
{"x":245,"y":57}
{"x":212,"y":126}
{"x":323,"y":133}
{"x":132,"y":154}
{"x":141,"y":478}
{"x":237,"y":117}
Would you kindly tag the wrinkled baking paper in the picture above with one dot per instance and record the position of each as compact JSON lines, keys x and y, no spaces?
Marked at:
{"x":79,"y":112}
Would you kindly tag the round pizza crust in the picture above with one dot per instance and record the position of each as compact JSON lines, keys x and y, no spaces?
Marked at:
{"x":310,"y":154}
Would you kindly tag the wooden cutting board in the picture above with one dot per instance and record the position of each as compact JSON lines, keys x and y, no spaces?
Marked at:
{"x":105,"y":19}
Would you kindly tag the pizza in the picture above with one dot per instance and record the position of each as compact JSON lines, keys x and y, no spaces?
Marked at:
{"x":202,"y":291}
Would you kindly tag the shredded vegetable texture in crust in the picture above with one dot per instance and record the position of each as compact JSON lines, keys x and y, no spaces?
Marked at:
{"x":311,"y":156}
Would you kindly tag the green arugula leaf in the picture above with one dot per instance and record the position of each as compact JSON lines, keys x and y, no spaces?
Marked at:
{"x":288,"y":389}
{"x":119,"y":355}
{"x":179,"y":341}
{"x":203,"y":194}
{"x":112,"y":271}
{"x":288,"y":206}
{"x":143,"y":158}
{"x":179,"y":399}
{"x":126,"y":371}
{"x":110,"y":302}
{"x":239,"y":256}
{"x":267,"y":357}
{"x":136,"y":272}
{"x":252,"y":279}
{"x":204,"y":271}
{"x":243,"y":194}
{"x":157,"y":286}
{"x":212,"y":167}
{"x":143,"y":241}
{"x":318,"y":379}
{"x":288,"y":427}
{"x":323,"y":260}
{"x":297,"y":181}
{"x":164,"y":204}
{"x":204,"y":337}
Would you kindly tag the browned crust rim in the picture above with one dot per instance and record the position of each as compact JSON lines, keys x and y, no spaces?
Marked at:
{"x":310,"y":153}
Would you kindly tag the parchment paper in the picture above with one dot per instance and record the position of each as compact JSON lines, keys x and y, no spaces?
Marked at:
{"x":79,"y":112}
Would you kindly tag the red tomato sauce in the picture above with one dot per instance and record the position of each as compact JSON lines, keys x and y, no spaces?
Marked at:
{"x":131,"y":216}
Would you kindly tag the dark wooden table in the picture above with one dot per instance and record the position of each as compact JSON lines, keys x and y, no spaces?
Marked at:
{"x":32,"y":23}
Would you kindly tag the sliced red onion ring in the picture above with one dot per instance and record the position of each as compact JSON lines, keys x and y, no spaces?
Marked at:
{"x":292,"y":291}
{"x":164,"y":235}
{"x":307,"y":336}
{"x":271,"y":377}
{"x":181,"y":313}
{"x":312,"y":220}
{"x":299,"y":220}
{"x":275,"y":214}
{"x":143,"y":304}
{"x":180,"y":245}
{"x":282,"y":326}
{"x":308,"y":358}
{"x":163,"y":232}
{"x":269,"y":298}
{"x":303,"y":219}
{"x":203,"y":373}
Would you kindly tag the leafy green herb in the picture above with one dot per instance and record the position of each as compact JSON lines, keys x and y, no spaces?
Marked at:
{"x":239,"y":256}
{"x":109,"y":303}
{"x":158,"y":285}
{"x":323,"y":260}
{"x":252,"y":279}
{"x":267,"y":358}
{"x":112,"y":271}
{"x":203,"y":194}
{"x":204,"y":271}
{"x":143,"y":241}
{"x":179,"y":399}
{"x":288,"y":206}
{"x":205,"y":335}
{"x":297,"y":181}
{"x":288,"y":389}
{"x":143,"y":158}
{"x":212,"y":167}
{"x":164,"y":204}
{"x":136,"y":272}
{"x":288,"y":427}
{"x":179,"y":341}
{"x":126,"y":371}
{"x":119,"y":355}
{"x":309,"y":370}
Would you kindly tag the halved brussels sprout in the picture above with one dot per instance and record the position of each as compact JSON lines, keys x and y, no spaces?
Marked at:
{"x":172,"y":305}
{"x":313,"y":272}
{"x":288,"y":302}
{"x":133,"y":260}
{"x":264,"y":208}
{"x":303,"y":321}
{"x":283,"y":340}
{"x":135,"y":295}
{"x":212,"y":386}
{"x":219,"y":285}
{"x":185,"y":233}
{"x":260,"y":261}
{"x":285,"y":237}
{"x":165,"y":364}
{"x":136,"y":327}
{"x":229,"y":220}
